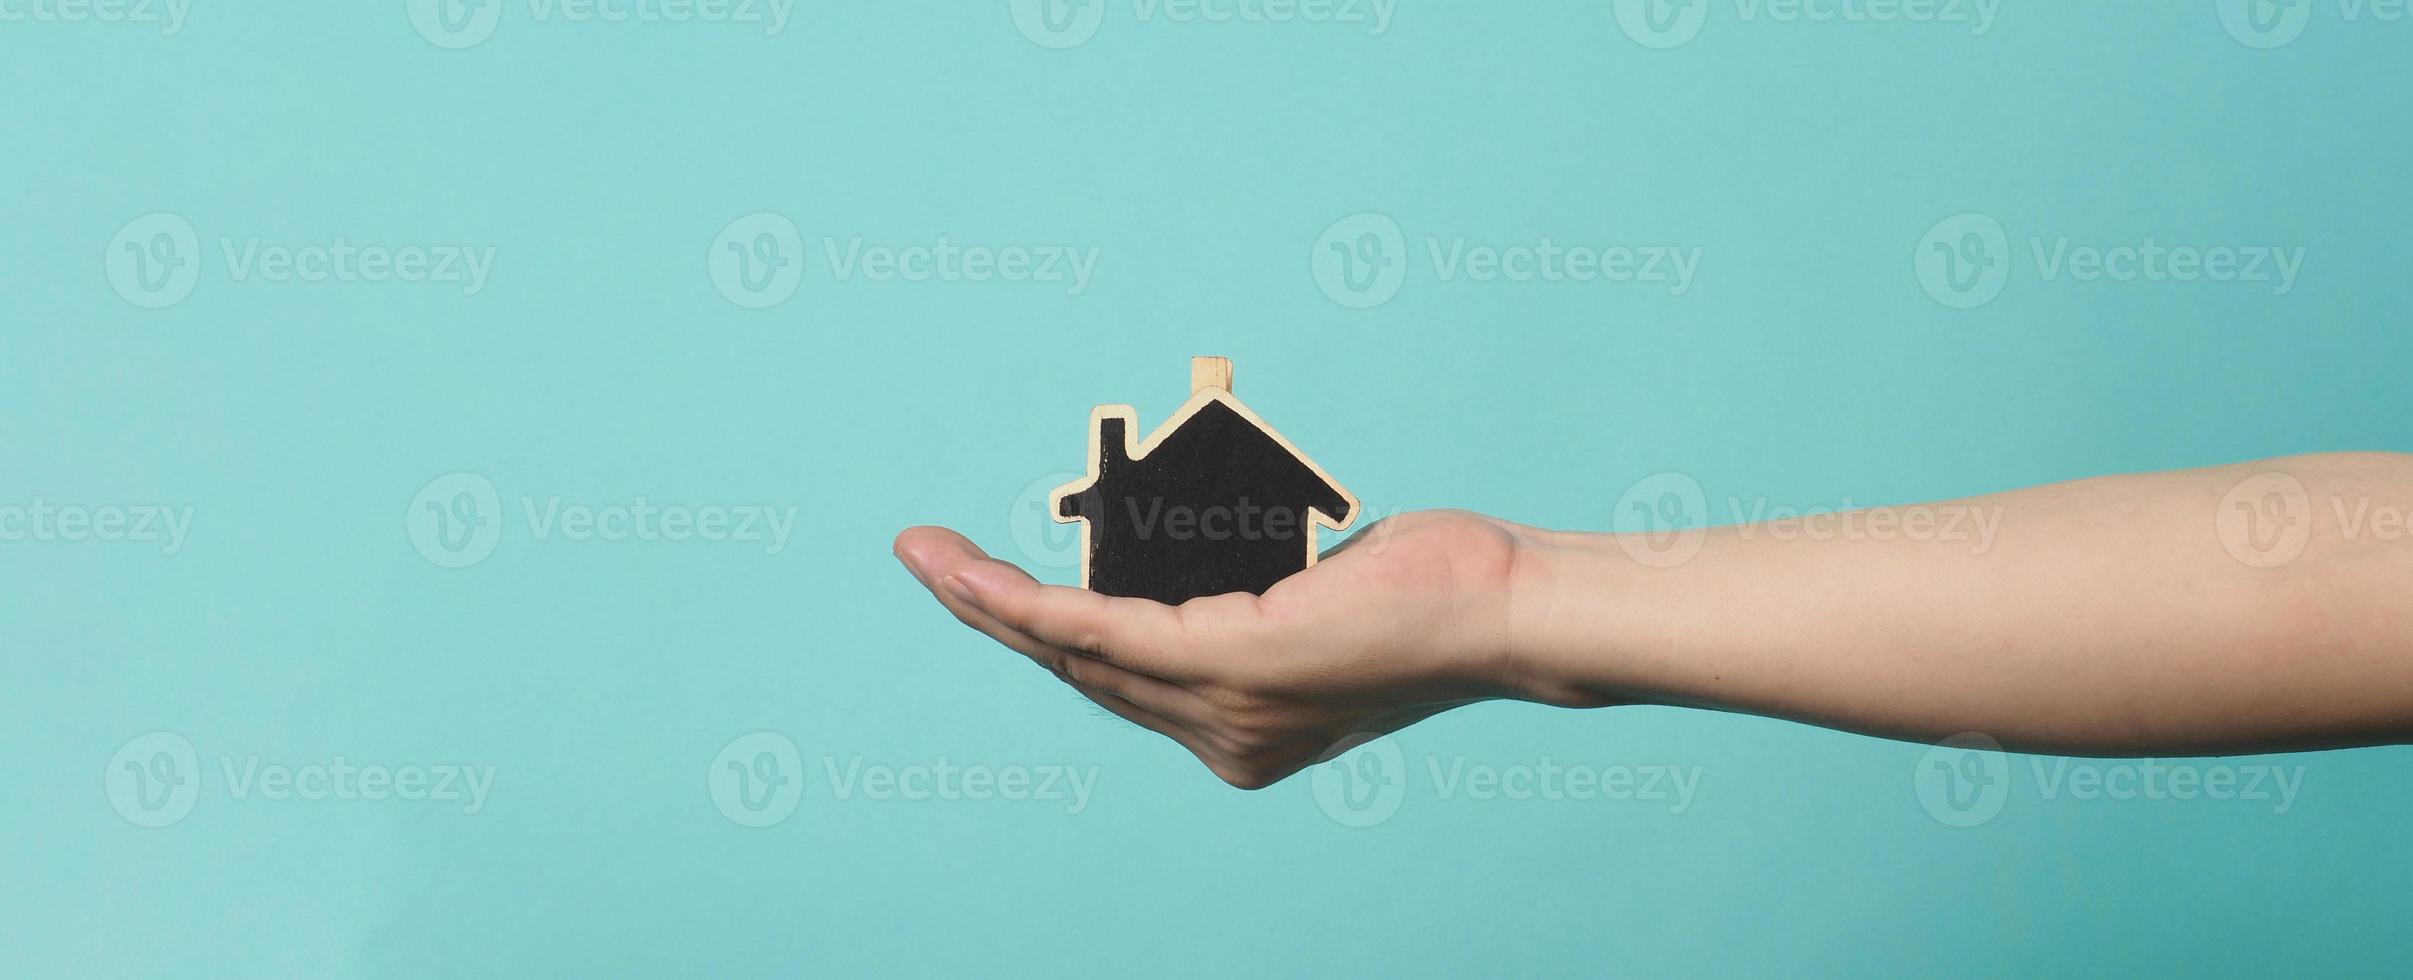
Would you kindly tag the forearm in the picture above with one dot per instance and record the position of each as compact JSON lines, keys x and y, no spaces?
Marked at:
{"x":2113,"y":616}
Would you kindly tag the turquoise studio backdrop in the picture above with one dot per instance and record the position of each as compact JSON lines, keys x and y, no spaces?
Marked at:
{"x":452,"y":451}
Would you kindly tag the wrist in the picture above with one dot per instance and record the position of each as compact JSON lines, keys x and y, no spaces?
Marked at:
{"x":1543,"y":597}
{"x":1593,"y":620}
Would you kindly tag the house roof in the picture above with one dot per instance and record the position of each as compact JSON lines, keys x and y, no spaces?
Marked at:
{"x":1207,"y":411}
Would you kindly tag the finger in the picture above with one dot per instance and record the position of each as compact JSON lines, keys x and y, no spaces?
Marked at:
{"x":1152,"y":694}
{"x":1224,"y":766}
{"x":1157,"y":697}
{"x":1136,"y":634}
{"x":1133,"y":713}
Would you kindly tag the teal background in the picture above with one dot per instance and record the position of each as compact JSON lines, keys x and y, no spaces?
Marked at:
{"x":1806,"y":366}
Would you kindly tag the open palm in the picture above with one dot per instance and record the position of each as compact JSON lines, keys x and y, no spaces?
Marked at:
{"x":1406,"y":619}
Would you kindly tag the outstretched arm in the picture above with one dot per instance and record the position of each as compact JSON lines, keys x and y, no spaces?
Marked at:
{"x":2257,"y":607}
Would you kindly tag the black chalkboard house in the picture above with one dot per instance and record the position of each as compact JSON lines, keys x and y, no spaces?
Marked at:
{"x":1214,"y":501}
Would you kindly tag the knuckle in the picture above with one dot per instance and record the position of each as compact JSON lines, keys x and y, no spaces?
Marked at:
{"x":1224,"y":744}
{"x":1253,"y":742}
{"x":1068,"y":669}
{"x":1244,"y":741}
{"x":1008,"y":614}
{"x":1082,"y":673}
{"x":1262,"y":739}
{"x":1234,"y":706}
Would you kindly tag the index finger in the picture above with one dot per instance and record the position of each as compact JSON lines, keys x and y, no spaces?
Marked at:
{"x":1135,"y":634}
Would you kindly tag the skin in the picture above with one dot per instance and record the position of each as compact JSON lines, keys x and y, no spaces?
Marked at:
{"x":2128,"y":615}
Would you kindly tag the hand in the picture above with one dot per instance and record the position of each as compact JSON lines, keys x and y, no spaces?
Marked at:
{"x":1408,"y":618}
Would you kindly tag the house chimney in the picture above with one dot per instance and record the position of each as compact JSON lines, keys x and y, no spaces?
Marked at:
{"x":1210,"y":372}
{"x":1112,"y":445}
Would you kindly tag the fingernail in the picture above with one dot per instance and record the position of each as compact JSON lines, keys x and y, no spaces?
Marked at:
{"x":910,"y":566}
{"x":959,"y":590}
